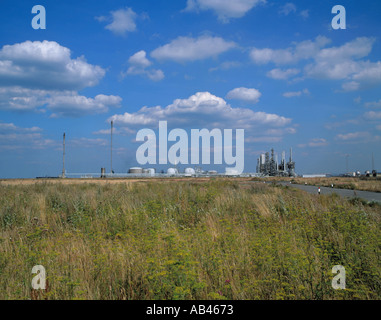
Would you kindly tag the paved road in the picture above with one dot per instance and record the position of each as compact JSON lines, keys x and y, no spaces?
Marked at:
{"x":366,"y":195}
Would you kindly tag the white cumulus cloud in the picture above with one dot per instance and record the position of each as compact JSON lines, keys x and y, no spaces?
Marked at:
{"x":225,"y":9}
{"x":292,"y":94}
{"x":299,"y":51}
{"x":185,"y":49}
{"x":45,"y":65}
{"x":41,"y":75}
{"x":139,"y":64}
{"x":205,"y":110}
{"x":288,"y":8}
{"x":75,"y":105}
{"x":279,"y":74}
{"x":246,"y":94}
{"x":121,"y":21}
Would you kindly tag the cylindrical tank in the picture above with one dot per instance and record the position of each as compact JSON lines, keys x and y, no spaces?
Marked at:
{"x":135,"y":170}
{"x":189,"y":172}
{"x":172,"y":172}
{"x":231,"y":172}
{"x":151,"y":171}
{"x":103,"y":172}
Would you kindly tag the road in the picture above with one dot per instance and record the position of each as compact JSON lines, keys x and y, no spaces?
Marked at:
{"x":366,"y":195}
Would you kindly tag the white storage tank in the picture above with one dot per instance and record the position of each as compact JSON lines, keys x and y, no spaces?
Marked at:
{"x":150,"y":171}
{"x":172,"y":172}
{"x":231,"y":172}
{"x":135,"y":170}
{"x":189,"y":172}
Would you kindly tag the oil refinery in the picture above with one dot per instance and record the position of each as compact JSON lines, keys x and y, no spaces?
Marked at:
{"x":269,"y":166}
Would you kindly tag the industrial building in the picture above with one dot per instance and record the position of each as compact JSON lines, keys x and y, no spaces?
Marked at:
{"x":269,"y":166}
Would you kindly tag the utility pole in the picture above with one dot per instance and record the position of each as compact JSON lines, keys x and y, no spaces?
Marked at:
{"x":112,"y":127}
{"x":63,"y":158}
{"x":346,"y":157}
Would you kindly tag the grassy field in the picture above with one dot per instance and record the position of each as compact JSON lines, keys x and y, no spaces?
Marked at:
{"x":351,"y":183}
{"x":212,"y":239}
{"x":364,"y":184}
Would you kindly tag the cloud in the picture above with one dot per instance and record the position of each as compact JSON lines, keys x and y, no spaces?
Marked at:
{"x":351,"y":86}
{"x":287,"y":9}
{"x":39,"y":76}
{"x":305,"y":14}
{"x":279,"y":74}
{"x":75,"y":105}
{"x":45,"y":65}
{"x":87,"y":143}
{"x":139,"y":64}
{"x":292,"y":94}
{"x":204,"y":110}
{"x":300,"y":51}
{"x":345,"y":62}
{"x":317,"y":142}
{"x":373,"y":115}
{"x":369,"y":71}
{"x":225,"y":9}
{"x":226,"y":66}
{"x":353,"y":136}
{"x":358,"y":48}
{"x":21,"y":100}
{"x":335,"y":125}
{"x":62,"y":103}
{"x":155,"y":75}
{"x":244,"y":94}
{"x":139,"y":59}
{"x":122,"y":21}
{"x":185,"y":49}
{"x":13,"y":137}
{"x":358,"y":137}
{"x":374,"y":104}
{"x":342,"y":63}
{"x":11,"y":128}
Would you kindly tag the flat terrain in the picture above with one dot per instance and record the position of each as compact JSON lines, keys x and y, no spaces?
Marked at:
{"x":94,"y":181}
{"x":185,"y":239}
{"x":350,"y":183}
{"x":366,"y":195}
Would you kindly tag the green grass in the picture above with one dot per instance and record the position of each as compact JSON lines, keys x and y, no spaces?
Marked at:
{"x":186,"y":240}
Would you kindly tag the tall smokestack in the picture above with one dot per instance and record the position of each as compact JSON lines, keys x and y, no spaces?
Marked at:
{"x":112,"y":127}
{"x":63,"y":158}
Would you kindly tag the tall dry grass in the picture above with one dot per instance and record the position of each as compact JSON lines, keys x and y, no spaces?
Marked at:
{"x":186,"y":240}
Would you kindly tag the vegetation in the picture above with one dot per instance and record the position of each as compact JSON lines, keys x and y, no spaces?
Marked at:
{"x":351,"y":183}
{"x":217,"y":239}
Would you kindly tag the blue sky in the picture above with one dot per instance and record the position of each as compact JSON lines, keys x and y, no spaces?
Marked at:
{"x":276,"y":69}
